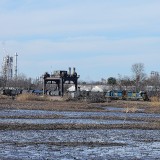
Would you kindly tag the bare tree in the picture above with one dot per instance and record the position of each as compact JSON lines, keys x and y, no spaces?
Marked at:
{"x":21,"y":81}
{"x":154,"y":81}
{"x":138,"y":74}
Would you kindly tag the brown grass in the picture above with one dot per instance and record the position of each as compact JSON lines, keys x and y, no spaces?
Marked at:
{"x":3,"y":97}
{"x":47,"y":104}
{"x":155,"y":101}
{"x":131,"y":109}
{"x":24,"y":126}
{"x":69,"y":144}
{"x":30,"y":97}
{"x":30,"y":101}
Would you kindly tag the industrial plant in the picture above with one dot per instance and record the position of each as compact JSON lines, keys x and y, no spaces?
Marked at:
{"x":63,"y":82}
{"x":60,"y":78}
{"x":9,"y":67}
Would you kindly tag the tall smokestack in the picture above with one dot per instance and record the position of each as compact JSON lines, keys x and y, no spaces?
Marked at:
{"x":74,"y":70}
{"x":69,"y":70}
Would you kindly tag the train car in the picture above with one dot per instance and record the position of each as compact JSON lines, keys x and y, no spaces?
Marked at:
{"x":134,"y":95}
{"x":113,"y":94}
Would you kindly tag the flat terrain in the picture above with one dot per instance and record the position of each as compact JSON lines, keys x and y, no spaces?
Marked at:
{"x":125,"y":107}
{"x":59,"y":129}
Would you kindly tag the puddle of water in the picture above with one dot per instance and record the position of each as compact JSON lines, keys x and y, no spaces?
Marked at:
{"x":114,"y":109}
{"x":75,"y":114}
{"x":109,"y":135}
{"x":66,"y":121}
{"x":21,"y":112}
{"x":135,"y":148}
{"x":120,"y":109}
{"x":39,"y":152}
{"x":140,"y":144}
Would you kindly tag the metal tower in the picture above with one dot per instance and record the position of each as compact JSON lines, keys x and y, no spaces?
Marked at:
{"x":16,"y":55}
{"x":7,"y":67}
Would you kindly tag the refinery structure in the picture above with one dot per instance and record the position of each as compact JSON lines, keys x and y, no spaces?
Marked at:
{"x":9,"y":67}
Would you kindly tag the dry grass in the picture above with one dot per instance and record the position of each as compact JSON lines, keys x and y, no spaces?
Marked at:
{"x":69,"y":144}
{"x":33,"y":102}
{"x":155,"y":101}
{"x":30,"y":101}
{"x":131,"y":109}
{"x":30,"y":97}
{"x":24,"y":126}
{"x":3,"y":97}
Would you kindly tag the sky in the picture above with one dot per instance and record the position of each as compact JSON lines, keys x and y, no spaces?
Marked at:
{"x":100,"y":38}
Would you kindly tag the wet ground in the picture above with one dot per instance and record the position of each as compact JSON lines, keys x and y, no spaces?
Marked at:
{"x":80,"y":144}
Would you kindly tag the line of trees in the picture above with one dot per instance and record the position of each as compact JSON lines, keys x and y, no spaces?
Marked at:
{"x":138,"y":81}
{"x":21,"y":82}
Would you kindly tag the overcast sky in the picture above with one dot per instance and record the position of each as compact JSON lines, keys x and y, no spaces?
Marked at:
{"x":101,"y":38}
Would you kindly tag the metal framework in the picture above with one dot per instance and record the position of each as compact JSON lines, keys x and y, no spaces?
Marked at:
{"x":7,"y":67}
{"x":60,"y":78}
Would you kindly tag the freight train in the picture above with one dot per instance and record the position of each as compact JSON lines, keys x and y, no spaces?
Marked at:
{"x":108,"y":95}
{"x":127,"y":95}
{"x":86,"y":95}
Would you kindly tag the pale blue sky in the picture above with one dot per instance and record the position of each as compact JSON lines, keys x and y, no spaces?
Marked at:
{"x":101,"y":38}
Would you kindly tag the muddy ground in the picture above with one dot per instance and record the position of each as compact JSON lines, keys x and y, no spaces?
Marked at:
{"x":59,"y":129}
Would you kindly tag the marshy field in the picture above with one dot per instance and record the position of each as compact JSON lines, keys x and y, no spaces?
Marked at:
{"x":53,"y":128}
